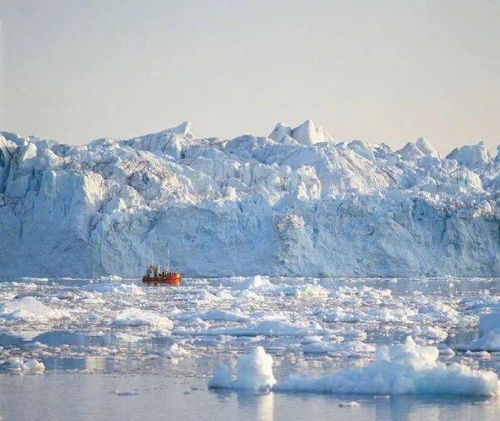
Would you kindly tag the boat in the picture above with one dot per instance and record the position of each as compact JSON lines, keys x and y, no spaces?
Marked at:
{"x":155,"y":275}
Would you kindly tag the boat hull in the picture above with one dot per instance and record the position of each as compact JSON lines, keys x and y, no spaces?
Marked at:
{"x":171,"y":278}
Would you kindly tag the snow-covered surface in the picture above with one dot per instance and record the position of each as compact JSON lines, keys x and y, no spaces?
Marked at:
{"x":293,"y":203}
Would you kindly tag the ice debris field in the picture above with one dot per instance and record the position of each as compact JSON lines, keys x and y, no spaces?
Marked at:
{"x":367,"y":336}
{"x":295,"y":202}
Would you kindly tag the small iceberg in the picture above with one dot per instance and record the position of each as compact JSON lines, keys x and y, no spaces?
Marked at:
{"x":17,"y":365}
{"x":489,"y":329}
{"x":254,"y":372}
{"x":30,"y":309}
{"x":405,"y":368}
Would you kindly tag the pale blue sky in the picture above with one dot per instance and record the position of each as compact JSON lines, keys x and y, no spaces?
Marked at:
{"x":379,"y":70}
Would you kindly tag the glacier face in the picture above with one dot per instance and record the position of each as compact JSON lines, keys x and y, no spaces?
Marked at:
{"x":294,"y":203}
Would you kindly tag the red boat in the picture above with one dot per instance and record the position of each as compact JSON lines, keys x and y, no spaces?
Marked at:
{"x":156,"y":276}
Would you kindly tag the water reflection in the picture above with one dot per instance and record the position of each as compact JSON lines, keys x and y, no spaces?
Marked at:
{"x":263,"y":404}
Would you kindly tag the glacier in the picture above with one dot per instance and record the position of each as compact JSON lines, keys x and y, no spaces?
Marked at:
{"x":295,"y":203}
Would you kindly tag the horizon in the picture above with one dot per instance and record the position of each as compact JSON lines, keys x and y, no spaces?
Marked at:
{"x":375,"y":71}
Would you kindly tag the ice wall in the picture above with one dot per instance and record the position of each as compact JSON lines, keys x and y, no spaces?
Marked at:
{"x":292,"y":203}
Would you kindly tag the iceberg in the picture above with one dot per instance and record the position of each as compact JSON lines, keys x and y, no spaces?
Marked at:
{"x":254,"y":372}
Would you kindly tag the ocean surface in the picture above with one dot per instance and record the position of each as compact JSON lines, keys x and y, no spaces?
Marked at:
{"x":113,"y":349}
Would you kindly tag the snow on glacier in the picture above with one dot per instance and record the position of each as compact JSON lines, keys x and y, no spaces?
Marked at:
{"x":293,"y":203}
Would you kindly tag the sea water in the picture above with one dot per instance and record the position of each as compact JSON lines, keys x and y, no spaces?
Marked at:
{"x":113,"y":349}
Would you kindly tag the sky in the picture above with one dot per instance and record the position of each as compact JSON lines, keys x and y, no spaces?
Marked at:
{"x":376,"y":70}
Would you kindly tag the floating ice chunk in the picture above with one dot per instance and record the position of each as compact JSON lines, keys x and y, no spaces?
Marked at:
{"x":490,"y":341}
{"x":30,"y":309}
{"x":311,"y":291}
{"x":254,"y":372}
{"x":394,"y":315}
{"x":18,"y":366}
{"x":438,"y":311}
{"x":345,"y":316}
{"x":401,"y":369}
{"x":127,"y":392}
{"x":446,"y":352}
{"x":430,"y":332}
{"x":250,"y":295}
{"x":207,"y":296}
{"x":254,"y":282}
{"x":224,"y":295}
{"x":351,"y":348}
{"x":351,"y":404}
{"x":35,"y":280}
{"x":138,"y":317}
{"x":33,"y":366}
{"x":215,"y":315}
{"x":33,"y":346}
{"x":174,"y":351}
{"x":221,"y":378}
{"x":268,"y":328}
{"x":489,"y":329}
{"x":127,"y":337}
{"x":111,"y":278}
{"x":109,"y":288}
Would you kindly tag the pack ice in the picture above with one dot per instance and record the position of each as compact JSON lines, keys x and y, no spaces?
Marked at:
{"x":294,"y":202}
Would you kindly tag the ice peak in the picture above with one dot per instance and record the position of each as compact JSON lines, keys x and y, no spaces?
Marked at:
{"x":424,"y":146}
{"x":183,"y":129}
{"x":471,"y":155}
{"x":306,"y":133}
{"x":280,"y":131}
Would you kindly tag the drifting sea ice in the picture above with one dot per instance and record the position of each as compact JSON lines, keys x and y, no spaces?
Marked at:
{"x":351,"y":348}
{"x":30,"y":309}
{"x":489,"y":329}
{"x":15,"y":365}
{"x":138,"y":317}
{"x":405,"y":368}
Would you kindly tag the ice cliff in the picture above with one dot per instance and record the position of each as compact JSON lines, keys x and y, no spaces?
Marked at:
{"x":295,"y":202}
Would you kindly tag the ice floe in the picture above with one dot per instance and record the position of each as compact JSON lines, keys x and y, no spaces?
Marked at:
{"x":30,"y":309}
{"x":138,"y":317}
{"x":489,"y":331}
{"x":17,"y":365}
{"x":405,"y":368}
